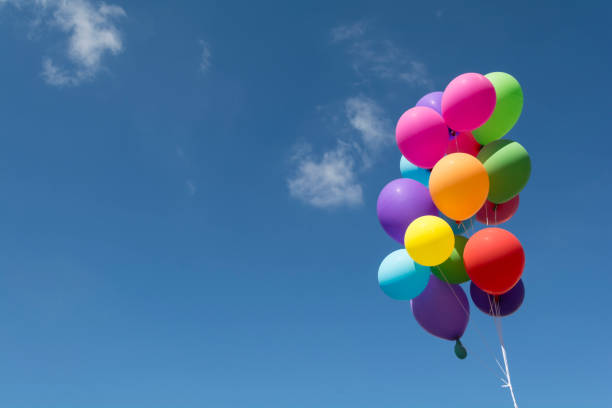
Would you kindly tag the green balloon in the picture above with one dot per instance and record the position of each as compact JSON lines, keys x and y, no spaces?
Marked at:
{"x":460,"y":351}
{"x":453,"y":270}
{"x":508,"y":107}
{"x":508,"y":165}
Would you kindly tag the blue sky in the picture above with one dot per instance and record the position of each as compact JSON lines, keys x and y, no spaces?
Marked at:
{"x":189,"y":200}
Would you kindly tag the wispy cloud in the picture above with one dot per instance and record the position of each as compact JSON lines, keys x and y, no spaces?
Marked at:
{"x":191,"y":187}
{"x":327,"y":181}
{"x":380,"y":59}
{"x":91,"y":31}
{"x":348,"y":31}
{"x":368,"y":119}
{"x":330,"y":179}
{"x":205,"y":56}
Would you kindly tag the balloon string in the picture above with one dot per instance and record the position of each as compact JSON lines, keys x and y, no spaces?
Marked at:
{"x":495,"y":213}
{"x":508,"y":383}
{"x":495,"y":308}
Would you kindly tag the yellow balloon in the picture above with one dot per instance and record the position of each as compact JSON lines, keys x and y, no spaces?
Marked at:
{"x":429,"y":240}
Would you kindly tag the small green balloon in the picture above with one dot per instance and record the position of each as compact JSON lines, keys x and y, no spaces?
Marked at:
{"x":508,"y":107}
{"x":509,"y":167}
{"x":453,"y":270}
{"x":460,"y":350}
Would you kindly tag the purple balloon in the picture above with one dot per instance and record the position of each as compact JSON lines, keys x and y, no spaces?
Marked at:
{"x":432,"y":100}
{"x":442,"y":309}
{"x":504,"y":305}
{"x":400,"y":202}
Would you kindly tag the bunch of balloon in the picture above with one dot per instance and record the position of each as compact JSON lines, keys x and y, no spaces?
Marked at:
{"x":456,"y":169}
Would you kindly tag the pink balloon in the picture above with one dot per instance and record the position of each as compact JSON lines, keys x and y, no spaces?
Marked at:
{"x":468,"y":102}
{"x":464,"y":142}
{"x":422,"y":136}
{"x":494,"y":214}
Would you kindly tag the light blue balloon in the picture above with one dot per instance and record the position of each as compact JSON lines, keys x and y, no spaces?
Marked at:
{"x":400,"y":277}
{"x":411,"y":171}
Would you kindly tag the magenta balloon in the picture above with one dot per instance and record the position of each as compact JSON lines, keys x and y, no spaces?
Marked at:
{"x":400,"y":202}
{"x":442,"y":309}
{"x":468,"y":102}
{"x":432,"y":100}
{"x":422,"y":136}
{"x":494,"y":214}
{"x":501,"y":305}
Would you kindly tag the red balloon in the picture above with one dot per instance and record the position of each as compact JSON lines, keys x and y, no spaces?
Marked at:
{"x":494,"y":260}
{"x":464,"y":142}
{"x":494,"y":214}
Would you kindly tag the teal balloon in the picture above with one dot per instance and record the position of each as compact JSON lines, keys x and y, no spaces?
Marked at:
{"x":460,"y":351}
{"x":400,"y":277}
{"x":411,"y":171}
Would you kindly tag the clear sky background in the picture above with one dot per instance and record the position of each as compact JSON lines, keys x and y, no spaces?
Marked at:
{"x":189,"y":191}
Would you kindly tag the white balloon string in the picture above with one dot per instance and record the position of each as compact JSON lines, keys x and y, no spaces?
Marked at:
{"x":507,"y":383}
{"x":495,"y":309}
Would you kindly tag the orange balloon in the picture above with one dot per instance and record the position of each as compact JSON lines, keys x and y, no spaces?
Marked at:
{"x":459,"y":185}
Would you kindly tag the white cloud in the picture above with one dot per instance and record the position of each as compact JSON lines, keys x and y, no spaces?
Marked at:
{"x":367,"y":117}
{"x":191,"y":187}
{"x":380,"y":59}
{"x":328,"y":181}
{"x":417,"y":74}
{"x":349,"y":31}
{"x":56,"y":76}
{"x":205,"y":57}
{"x":331,"y":179}
{"x":91,"y":35}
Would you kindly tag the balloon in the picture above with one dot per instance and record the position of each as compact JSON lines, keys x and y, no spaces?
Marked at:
{"x":429,"y":240}
{"x":508,"y":107}
{"x":502,"y":305}
{"x":468,"y":101}
{"x":411,"y":171}
{"x":460,"y":351}
{"x":508,"y":165}
{"x":432,"y":100}
{"x":463,"y":143}
{"x":494,"y":259}
{"x":442,"y":309}
{"x":459,"y":185}
{"x":421,"y":136}
{"x":453,"y":270}
{"x":400,"y":202}
{"x":400,"y":277}
{"x":494,"y":214}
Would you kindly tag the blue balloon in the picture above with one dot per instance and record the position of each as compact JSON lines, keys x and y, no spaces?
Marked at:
{"x":413,"y":172}
{"x":400,"y":277}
